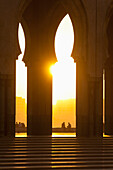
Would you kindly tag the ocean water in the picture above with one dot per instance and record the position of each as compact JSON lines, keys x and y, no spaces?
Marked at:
{"x":20,"y":134}
{"x":63,"y":134}
{"x":53,"y":134}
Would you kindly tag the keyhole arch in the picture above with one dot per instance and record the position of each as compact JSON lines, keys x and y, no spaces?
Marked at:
{"x":64,"y":77}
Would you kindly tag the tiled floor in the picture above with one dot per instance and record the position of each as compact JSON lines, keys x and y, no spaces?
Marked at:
{"x":56,"y":153}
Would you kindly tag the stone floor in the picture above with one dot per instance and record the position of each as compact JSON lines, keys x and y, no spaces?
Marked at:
{"x":56,"y":153}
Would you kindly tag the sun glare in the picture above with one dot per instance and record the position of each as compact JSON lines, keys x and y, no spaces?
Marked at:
{"x":64,"y":75}
{"x":64,"y":82}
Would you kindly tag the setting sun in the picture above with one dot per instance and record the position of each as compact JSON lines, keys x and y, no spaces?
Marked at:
{"x":64,"y":82}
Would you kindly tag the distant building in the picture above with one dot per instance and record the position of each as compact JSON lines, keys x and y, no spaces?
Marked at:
{"x":21,"y":110}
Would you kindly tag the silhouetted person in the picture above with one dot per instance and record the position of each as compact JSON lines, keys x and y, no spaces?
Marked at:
{"x":69,"y":126}
{"x":16,"y":125}
{"x":63,"y":125}
{"x":20,"y":125}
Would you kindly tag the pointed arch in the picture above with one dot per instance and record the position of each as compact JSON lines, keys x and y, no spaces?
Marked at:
{"x":78,"y":17}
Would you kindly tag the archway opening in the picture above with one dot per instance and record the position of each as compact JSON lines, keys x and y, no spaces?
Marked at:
{"x":21,"y":89}
{"x":64,"y":81}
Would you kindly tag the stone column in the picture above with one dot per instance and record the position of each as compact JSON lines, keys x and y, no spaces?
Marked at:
{"x":109,"y":97}
{"x":10,"y":101}
{"x":89,"y":103}
{"x":2,"y":106}
{"x":7,"y":109}
{"x":82,"y":103}
{"x":39,"y":99}
{"x":95,"y":107}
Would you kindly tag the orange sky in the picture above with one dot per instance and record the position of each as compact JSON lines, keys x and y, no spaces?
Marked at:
{"x":21,"y":110}
{"x":64,"y":111}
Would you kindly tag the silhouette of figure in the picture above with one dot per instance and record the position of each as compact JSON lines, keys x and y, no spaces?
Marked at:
{"x":20,"y":125}
{"x":69,"y":126}
{"x":63,"y":125}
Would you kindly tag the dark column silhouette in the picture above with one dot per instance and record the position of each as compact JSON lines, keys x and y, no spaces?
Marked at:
{"x":82,"y":126}
{"x":89,"y":103}
{"x":39,"y":77}
{"x":39,"y":100}
{"x":95,"y":107}
{"x":7,"y":110}
{"x":109,"y":81}
{"x":109,"y":97}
